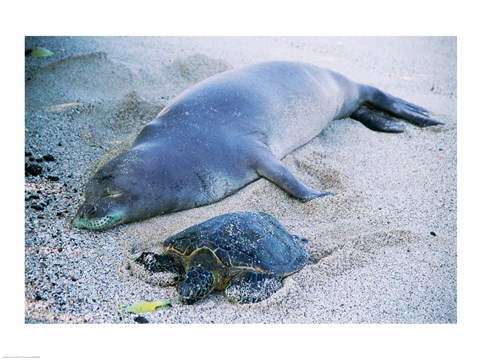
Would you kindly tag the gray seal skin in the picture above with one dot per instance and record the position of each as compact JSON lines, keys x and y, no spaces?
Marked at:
{"x":229,"y":130}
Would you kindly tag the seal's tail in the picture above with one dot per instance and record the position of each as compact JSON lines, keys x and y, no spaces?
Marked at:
{"x":379,"y":108}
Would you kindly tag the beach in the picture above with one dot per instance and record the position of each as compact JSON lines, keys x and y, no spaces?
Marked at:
{"x":382,"y":250}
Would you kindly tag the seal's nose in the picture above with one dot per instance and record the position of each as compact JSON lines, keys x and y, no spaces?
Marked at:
{"x":88,"y":210}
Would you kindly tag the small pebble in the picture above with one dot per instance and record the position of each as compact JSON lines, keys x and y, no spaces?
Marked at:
{"x":140,"y":320}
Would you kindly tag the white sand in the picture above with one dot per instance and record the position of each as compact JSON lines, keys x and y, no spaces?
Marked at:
{"x":383,"y":250}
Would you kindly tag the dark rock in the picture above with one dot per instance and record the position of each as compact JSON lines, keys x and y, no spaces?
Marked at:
{"x":53,"y":178}
{"x":33,"y":169}
{"x":48,"y":157}
{"x":37,"y":207}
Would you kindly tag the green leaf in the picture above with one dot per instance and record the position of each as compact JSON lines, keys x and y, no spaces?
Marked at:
{"x":39,"y":52}
{"x":146,"y":306}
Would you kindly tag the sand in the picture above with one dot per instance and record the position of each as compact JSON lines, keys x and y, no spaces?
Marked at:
{"x":383,"y":250}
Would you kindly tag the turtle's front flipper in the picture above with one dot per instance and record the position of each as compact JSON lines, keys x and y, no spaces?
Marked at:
{"x":269,"y":167}
{"x":158,"y":263}
{"x":195,"y":284}
{"x":163,"y":270}
{"x":378,"y":99}
{"x":252,"y":287}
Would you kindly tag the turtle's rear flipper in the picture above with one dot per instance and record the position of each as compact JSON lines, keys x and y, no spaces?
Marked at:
{"x":377,"y":99}
{"x":252,"y":287}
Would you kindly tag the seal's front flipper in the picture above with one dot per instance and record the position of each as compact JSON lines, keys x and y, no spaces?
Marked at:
{"x":415,"y":114}
{"x":373,"y":120}
{"x":269,"y":167}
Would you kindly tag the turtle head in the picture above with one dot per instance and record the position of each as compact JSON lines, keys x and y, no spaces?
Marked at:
{"x":195,"y":284}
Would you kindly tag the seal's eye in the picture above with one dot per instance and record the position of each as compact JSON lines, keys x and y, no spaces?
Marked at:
{"x":112,"y":194}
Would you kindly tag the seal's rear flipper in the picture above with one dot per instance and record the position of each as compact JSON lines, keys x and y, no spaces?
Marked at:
{"x":374,"y":121}
{"x":269,"y":167}
{"x":414,"y":114}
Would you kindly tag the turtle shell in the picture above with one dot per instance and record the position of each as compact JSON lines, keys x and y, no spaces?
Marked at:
{"x":249,"y":240}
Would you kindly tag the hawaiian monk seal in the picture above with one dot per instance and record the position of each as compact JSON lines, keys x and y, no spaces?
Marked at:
{"x":226,"y":132}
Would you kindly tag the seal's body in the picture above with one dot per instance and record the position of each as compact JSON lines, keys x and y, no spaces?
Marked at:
{"x":226,"y":132}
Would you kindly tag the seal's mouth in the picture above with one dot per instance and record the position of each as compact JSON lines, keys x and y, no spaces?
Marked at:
{"x":102,"y":223}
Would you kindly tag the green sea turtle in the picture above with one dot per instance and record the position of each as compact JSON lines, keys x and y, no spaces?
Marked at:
{"x":244,"y":254}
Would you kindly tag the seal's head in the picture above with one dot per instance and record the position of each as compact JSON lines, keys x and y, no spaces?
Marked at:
{"x":97,"y":216}
{"x":105,"y":204}
{"x":117,"y":193}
